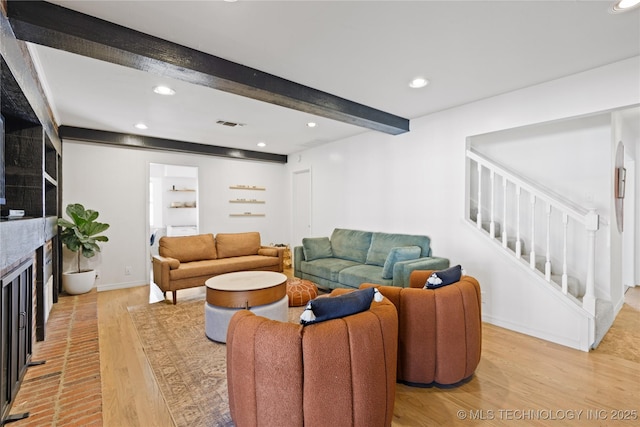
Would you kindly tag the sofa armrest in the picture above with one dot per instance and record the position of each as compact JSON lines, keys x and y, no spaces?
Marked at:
{"x":161,"y":267}
{"x":298,"y":257}
{"x":275,"y":251}
{"x":402,"y":270}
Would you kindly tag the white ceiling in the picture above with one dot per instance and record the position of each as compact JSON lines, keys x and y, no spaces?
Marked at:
{"x":364,"y":51}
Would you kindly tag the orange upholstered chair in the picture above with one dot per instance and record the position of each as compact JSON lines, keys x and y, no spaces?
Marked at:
{"x":340,"y":372}
{"x":439,"y":330}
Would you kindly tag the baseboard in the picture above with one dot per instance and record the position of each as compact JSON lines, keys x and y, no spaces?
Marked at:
{"x":123,"y":285}
{"x":543,"y":335}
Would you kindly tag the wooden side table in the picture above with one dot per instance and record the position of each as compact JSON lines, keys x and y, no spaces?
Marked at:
{"x":286,"y":262}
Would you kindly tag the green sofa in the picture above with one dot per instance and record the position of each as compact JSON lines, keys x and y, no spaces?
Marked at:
{"x":352,"y":257}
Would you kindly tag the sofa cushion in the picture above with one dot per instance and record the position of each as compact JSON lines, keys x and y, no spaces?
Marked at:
{"x":237,"y":244}
{"x":340,"y":306}
{"x":361,"y":273}
{"x":327,"y":268}
{"x":188,"y":248}
{"x":402,"y":253}
{"x":352,"y":245}
{"x":210,"y":268}
{"x":444,"y":277}
{"x":382,"y":243}
{"x":316,"y":248}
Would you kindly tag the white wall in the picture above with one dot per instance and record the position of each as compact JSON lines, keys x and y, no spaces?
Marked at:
{"x":571,"y":158}
{"x":415,"y":182}
{"x":115,"y":182}
{"x":630,"y":136}
{"x":412,"y":183}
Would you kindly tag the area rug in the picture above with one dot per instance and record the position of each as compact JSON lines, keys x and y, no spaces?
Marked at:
{"x":190,"y":369}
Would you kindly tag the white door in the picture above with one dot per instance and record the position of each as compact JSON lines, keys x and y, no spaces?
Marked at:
{"x":301,"y":212}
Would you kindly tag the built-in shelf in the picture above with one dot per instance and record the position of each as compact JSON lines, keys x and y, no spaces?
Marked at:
{"x":182,"y":207}
{"x":247,"y":201}
{"x":247,"y":214}
{"x":183,"y":190}
{"x":50,"y":179}
{"x":247,"y":187}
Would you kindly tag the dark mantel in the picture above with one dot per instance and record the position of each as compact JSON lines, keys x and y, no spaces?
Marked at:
{"x":20,"y":238}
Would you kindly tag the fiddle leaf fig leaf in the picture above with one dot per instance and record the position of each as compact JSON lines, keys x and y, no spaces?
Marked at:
{"x":80,"y":234}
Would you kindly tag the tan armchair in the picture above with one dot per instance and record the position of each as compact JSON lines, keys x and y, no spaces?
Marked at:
{"x":340,"y":372}
{"x":439,"y":330}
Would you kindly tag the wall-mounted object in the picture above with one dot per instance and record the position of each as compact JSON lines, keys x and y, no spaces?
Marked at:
{"x":247,"y":187}
{"x":247,"y":201}
{"x":621,"y":176}
{"x":247,"y":214}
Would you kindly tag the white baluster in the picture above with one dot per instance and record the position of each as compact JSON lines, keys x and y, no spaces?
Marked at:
{"x":492,"y":224}
{"x":504,"y":212}
{"x":479,"y":215}
{"x":547,"y":264}
{"x":532,"y":254}
{"x":565,"y":224}
{"x":518,"y":242}
{"x":589,"y":299}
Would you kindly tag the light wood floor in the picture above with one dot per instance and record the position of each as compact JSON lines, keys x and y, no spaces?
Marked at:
{"x":520,"y":380}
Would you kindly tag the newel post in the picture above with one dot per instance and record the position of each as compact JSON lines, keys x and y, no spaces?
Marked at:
{"x":589,"y":299}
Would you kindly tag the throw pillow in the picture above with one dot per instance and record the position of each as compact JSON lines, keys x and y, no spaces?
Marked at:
{"x":444,"y":277}
{"x":321,"y":309}
{"x":268,"y":252}
{"x":401,"y":253}
{"x":316,"y":248}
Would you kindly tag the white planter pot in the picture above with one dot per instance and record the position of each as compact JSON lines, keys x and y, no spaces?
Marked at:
{"x":78,"y":283}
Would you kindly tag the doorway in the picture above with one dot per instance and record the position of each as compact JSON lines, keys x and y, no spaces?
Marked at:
{"x":173,"y":209}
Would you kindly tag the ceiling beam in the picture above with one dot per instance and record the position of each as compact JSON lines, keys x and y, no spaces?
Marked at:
{"x":70,"y":133}
{"x":20,"y":84}
{"x":61,"y":28}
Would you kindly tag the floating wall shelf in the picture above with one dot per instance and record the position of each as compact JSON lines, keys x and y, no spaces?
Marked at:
{"x":247,"y":201}
{"x":247,"y":187}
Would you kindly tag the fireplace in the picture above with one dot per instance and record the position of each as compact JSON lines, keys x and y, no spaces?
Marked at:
{"x":44,"y":287}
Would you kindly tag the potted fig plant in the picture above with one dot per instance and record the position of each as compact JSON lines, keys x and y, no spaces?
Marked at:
{"x":81,"y":235}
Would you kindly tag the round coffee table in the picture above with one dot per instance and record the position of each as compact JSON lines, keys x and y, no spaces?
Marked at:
{"x":263,"y":292}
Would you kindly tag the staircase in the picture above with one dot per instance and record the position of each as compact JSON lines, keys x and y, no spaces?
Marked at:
{"x":550,"y":237}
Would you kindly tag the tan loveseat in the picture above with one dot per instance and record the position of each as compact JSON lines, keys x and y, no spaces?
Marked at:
{"x":188,"y":261}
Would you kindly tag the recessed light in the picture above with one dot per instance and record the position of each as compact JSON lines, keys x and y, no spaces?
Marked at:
{"x":141,"y":126}
{"x":164,"y":90}
{"x":262,"y":144}
{"x":312,"y":124}
{"x":620,"y":6}
{"x":418,"y":82}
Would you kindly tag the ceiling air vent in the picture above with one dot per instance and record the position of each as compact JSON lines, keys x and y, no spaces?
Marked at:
{"x":230,"y":124}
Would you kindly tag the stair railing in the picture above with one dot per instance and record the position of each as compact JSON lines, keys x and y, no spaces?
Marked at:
{"x":552,"y":202}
